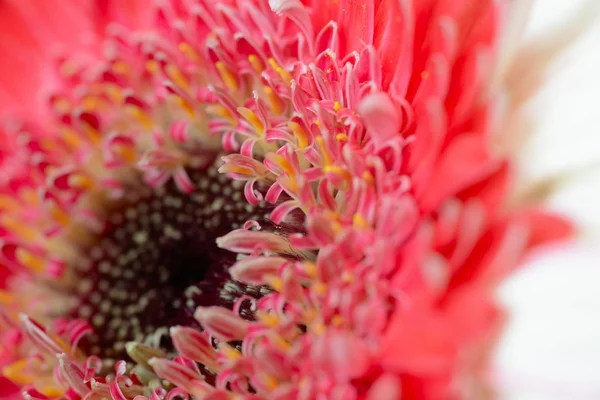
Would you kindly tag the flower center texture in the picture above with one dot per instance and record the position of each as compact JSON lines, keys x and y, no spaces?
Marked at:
{"x":157,"y":260}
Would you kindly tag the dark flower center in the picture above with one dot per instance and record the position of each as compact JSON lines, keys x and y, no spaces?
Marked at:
{"x":157,"y":260}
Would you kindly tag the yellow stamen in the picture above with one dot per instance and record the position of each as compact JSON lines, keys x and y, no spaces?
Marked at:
{"x":152,"y":66}
{"x":229,"y":352}
{"x":50,"y":391}
{"x":58,"y":214}
{"x":273,"y":100}
{"x":189,"y":51}
{"x":19,"y":228}
{"x":300,"y":134}
{"x":285,"y":75}
{"x":251,"y":117}
{"x":81,"y":181}
{"x":318,"y":328}
{"x":187,"y":107}
{"x":270,"y":382}
{"x":227,"y":76}
{"x":282,"y":162}
{"x":256,"y":64}
{"x":367,"y":176}
{"x":121,"y":67}
{"x":310,"y":268}
{"x":30,"y":260}
{"x":141,"y":116}
{"x":92,"y":134}
{"x":360,"y":222}
{"x":320,"y":288}
{"x":16,"y":373}
{"x":237,"y":169}
{"x":126,"y":152}
{"x":270,"y":320}
{"x":275,"y":282}
{"x":114,"y":93}
{"x":337,"y":320}
{"x":337,"y":106}
{"x":70,"y":137}
{"x":6,"y":297}
{"x":8,"y":203}
{"x":220,"y":111}
{"x":177,"y":77}
{"x":341,"y":137}
{"x":327,"y":161}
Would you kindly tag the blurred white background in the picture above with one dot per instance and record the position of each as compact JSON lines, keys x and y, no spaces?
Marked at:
{"x":551,"y":350}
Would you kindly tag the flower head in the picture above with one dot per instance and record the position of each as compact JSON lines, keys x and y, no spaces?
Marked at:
{"x":252,"y":199}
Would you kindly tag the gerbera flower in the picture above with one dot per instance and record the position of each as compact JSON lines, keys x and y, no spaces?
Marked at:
{"x":252,"y":199}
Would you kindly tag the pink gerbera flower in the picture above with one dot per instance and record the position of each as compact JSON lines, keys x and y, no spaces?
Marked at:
{"x":254,"y":199}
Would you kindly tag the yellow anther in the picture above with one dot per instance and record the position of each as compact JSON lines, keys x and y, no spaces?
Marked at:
{"x":342,"y":173}
{"x":227,"y":76}
{"x":273,"y":100}
{"x":92,"y":103}
{"x":30,"y":260}
{"x":121,"y":67}
{"x":141,"y":116}
{"x":270,"y":382}
{"x":359,"y":221}
{"x":275,"y":283}
{"x":185,"y":105}
{"x":285,"y":75}
{"x":367,"y":176}
{"x":6,"y":297}
{"x":8,"y":203}
{"x":81,"y":181}
{"x":327,"y":161}
{"x":320,"y":288}
{"x":16,"y":372}
{"x":336,"y":227}
{"x":300,"y":134}
{"x":310,"y":268}
{"x":114,"y":93}
{"x":337,"y":320}
{"x":92,"y":134}
{"x":50,"y":390}
{"x":318,"y":328}
{"x":256,"y":64}
{"x":341,"y":137}
{"x":19,"y":228}
{"x":251,"y":117}
{"x":177,"y":77}
{"x":59,"y":215}
{"x":70,"y":137}
{"x":238,"y":169}
{"x":229,"y":352}
{"x":282,"y":162}
{"x":189,"y":51}
{"x":152,"y":66}
{"x":337,"y":106}
{"x":270,"y":320}
{"x":126,"y":152}
{"x":220,"y":111}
